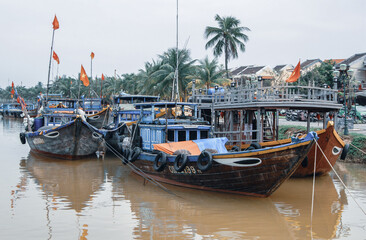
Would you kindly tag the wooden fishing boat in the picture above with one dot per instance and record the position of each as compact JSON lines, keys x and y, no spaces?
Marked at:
{"x":101,"y":118}
{"x":73,"y":140}
{"x":12,"y":110}
{"x":62,"y":131}
{"x":168,"y":155}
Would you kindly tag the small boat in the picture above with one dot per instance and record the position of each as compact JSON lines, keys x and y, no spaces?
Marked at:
{"x":179,"y":152}
{"x":62,"y":132}
{"x":12,"y":110}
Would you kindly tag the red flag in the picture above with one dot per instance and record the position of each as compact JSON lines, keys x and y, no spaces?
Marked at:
{"x":360,"y":87}
{"x":92,"y":55}
{"x":84,"y":77}
{"x":55,"y":23}
{"x":12,"y":88}
{"x":56,"y":57}
{"x":295,"y":74}
{"x":103,"y":77}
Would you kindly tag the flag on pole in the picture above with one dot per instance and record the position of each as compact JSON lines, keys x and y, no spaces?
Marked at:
{"x":295,"y":74}
{"x":360,"y":87}
{"x":92,"y":55}
{"x":12,"y":88}
{"x":55,"y":23}
{"x":84,"y":77}
{"x":103,"y":77}
{"x":56,"y":57}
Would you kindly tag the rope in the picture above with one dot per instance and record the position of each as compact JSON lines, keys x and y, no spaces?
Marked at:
{"x":357,"y":148}
{"x":344,"y":185}
{"x":131,"y":165}
{"x":313,"y":195}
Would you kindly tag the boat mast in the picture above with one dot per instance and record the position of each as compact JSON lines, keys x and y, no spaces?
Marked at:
{"x":175,"y":92}
{"x":49,"y":66}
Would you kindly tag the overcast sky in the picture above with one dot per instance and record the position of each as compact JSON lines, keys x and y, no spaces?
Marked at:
{"x":125,"y":34}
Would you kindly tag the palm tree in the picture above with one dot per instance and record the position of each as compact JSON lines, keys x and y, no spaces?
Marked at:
{"x":208,"y":73}
{"x":226,"y":38}
{"x":145,"y":79}
{"x":166,"y":73}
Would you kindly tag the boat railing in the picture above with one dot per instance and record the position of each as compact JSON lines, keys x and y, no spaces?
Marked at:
{"x":275,"y":94}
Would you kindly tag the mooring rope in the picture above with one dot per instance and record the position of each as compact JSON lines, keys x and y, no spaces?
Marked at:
{"x":357,"y":148}
{"x":313,"y":195}
{"x":344,"y":185}
{"x":138,"y":170}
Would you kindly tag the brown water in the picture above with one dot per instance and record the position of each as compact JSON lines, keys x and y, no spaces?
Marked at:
{"x":43,"y":198}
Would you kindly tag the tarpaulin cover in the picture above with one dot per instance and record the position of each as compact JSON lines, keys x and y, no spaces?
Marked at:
{"x":194,"y":147}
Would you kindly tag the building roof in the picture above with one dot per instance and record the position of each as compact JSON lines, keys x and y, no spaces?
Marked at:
{"x":352,"y":59}
{"x":238,"y":70}
{"x":336,"y":61}
{"x":279,"y":67}
{"x":309,"y":63}
{"x":252,"y":70}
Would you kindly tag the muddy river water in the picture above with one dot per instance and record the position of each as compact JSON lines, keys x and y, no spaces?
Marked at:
{"x":44,"y":198}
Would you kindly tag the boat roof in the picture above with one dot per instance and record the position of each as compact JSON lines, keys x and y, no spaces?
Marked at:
{"x":129,"y":96}
{"x":163,"y":104}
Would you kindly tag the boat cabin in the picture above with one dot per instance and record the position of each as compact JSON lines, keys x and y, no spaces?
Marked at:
{"x":175,"y":122}
{"x":91,"y":105}
{"x":61,"y":105}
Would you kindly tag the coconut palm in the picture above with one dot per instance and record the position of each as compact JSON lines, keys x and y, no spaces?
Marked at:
{"x":166,"y":73}
{"x":145,"y":79}
{"x":226,"y":38}
{"x":208,"y":73}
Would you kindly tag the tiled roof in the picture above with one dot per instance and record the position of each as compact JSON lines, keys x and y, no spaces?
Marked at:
{"x":336,"y":61}
{"x":278,"y":67}
{"x":351,"y":59}
{"x":238,"y":70}
{"x":252,"y":70}
{"x":308,"y":63}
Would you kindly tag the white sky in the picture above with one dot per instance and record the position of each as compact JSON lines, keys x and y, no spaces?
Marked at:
{"x":125,"y":34}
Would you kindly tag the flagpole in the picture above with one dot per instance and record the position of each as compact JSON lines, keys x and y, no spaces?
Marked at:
{"x":91,"y":73}
{"x":49,"y":66}
{"x":101,"y":87}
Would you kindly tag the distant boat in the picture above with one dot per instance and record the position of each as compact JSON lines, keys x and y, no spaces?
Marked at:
{"x":12,"y":110}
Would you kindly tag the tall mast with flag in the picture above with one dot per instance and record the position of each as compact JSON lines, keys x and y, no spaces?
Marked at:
{"x":101,"y":86}
{"x":175,"y":88}
{"x":91,"y":68}
{"x":55,"y":26}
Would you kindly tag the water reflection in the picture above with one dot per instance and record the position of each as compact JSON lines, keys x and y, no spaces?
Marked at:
{"x":72,"y":185}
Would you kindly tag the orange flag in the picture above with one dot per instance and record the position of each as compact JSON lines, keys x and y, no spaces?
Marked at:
{"x":55,"y":23}
{"x":12,"y":88}
{"x":295,"y":74}
{"x":56,"y":57}
{"x":360,"y":87}
{"x":92,"y":55}
{"x":84,"y":77}
{"x":102,"y":77}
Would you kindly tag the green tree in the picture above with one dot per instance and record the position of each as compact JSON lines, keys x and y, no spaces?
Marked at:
{"x":209,"y":73}
{"x":226,"y":38}
{"x":165,"y":75}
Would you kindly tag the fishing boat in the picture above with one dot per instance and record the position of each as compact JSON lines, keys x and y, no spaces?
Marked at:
{"x":97,"y":115}
{"x":63,"y":132}
{"x":248,"y":113}
{"x":179,"y":151}
{"x":12,"y":110}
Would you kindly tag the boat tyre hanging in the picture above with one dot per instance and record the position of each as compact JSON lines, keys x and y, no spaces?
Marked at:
{"x":205,"y":156}
{"x":160,"y":162}
{"x":22,"y":138}
{"x":180,"y":162}
{"x":345,"y":151}
{"x":134,"y":154}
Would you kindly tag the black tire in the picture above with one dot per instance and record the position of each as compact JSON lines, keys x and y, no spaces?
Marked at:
{"x":345,"y":151}
{"x":204,"y":156}
{"x":183,"y":159}
{"x":256,"y":145}
{"x":22,"y":138}
{"x":134,"y":154}
{"x":160,"y":157}
{"x":235,"y":149}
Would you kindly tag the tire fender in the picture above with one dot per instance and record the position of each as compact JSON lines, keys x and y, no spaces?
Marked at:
{"x":183,"y":159}
{"x":204,"y":156}
{"x":160,"y":157}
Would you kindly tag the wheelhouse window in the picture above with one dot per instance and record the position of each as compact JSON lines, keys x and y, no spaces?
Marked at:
{"x":171,"y":135}
{"x":193,"y":135}
{"x":182,"y":135}
{"x":204,"y":134}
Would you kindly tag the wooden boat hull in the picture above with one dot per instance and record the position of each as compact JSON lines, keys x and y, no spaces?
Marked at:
{"x":70,"y":141}
{"x":261,"y":180}
{"x":100,"y":119}
{"x":331,"y":144}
